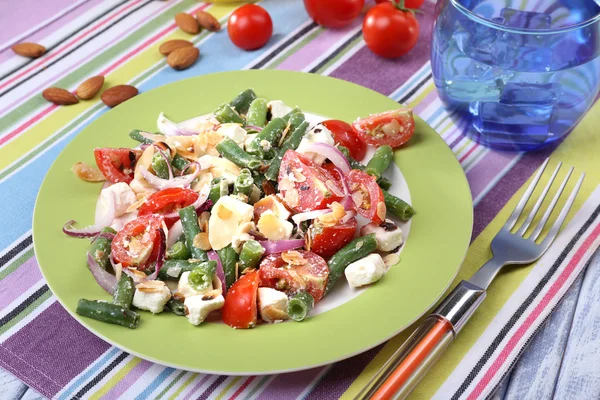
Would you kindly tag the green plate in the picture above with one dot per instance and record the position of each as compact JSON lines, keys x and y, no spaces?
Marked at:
{"x":439,"y":234}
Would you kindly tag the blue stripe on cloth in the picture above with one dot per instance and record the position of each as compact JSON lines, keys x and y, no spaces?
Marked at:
{"x":155,"y":383}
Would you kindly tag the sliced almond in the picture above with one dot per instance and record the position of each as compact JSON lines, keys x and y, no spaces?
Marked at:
{"x":183,"y":57}
{"x":391,"y":259}
{"x":150,"y":286}
{"x":27,"y":49}
{"x":116,"y":95}
{"x":87,"y":173}
{"x":201,"y":241}
{"x":381,"y":210}
{"x":187,"y":23}
{"x":207,"y":21}
{"x":59,"y":96}
{"x":171,"y":45}
{"x":88,"y":89}
{"x":293,"y":257}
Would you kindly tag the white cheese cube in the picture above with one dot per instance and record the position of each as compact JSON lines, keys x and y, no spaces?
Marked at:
{"x":278,"y":108}
{"x":272,"y":304}
{"x":249,"y":138}
{"x":387,"y":234}
{"x":365,"y":271}
{"x":273,"y":227}
{"x":234,"y":132}
{"x":185,"y":290}
{"x":197,"y":308}
{"x":226,"y":216}
{"x":120,"y":196}
{"x":318,"y":134}
{"x":151,"y":296}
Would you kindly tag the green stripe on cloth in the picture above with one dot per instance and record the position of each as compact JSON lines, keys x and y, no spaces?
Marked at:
{"x":26,"y":311}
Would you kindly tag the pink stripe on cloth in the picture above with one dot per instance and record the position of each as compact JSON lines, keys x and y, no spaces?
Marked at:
{"x":289,"y":386}
{"x":128,"y":380}
{"x":16,"y":283}
{"x":487,"y":169}
{"x":535,"y":314}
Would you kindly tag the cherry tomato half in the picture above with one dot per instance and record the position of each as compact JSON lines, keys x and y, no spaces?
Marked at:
{"x":344,"y":134}
{"x":250,"y":27}
{"x":295,"y":271}
{"x":136,"y":245}
{"x":327,"y":240}
{"x":117,"y":165}
{"x":367,"y":196}
{"x":168,"y":201}
{"x":333,"y":13}
{"x":407,"y":3}
{"x":390,"y":32}
{"x":240,"y":308}
{"x":391,"y":127}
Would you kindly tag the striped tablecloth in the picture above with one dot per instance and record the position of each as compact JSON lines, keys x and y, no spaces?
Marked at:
{"x":47,"y":349}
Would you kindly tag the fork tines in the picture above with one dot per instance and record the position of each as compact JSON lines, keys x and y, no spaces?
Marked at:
{"x":561,"y":217}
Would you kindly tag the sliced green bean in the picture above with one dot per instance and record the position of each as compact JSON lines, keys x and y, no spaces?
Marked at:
{"x":172,"y":269}
{"x":230,"y":150}
{"x":198,"y":279}
{"x":225,"y":115}
{"x":380,"y":161}
{"x":355,"y":250}
{"x":299,"y":305}
{"x":176,"y":307}
{"x":269,"y":136}
{"x":136,"y":134}
{"x":250,"y":255}
{"x":218,"y":189}
{"x":242,"y":101}
{"x":257,"y":113}
{"x":291,"y":143}
{"x":160,"y":166}
{"x":123,"y":295}
{"x":398,"y":207}
{"x":100,"y":248}
{"x":294,"y":111}
{"x":384,"y":183}
{"x":229,"y":260}
{"x":107,"y":312}
{"x":244,"y":183}
{"x":191,"y":228}
{"x":178,"y":251}
{"x":179,"y":162}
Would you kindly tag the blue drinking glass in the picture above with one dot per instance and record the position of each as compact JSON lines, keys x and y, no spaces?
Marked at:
{"x":523,"y":72}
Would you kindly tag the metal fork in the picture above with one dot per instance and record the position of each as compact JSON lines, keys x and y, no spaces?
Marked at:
{"x":401,"y":373}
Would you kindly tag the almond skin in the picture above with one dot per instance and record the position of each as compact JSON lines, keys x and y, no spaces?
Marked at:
{"x":61,"y":97}
{"x":187,"y":23}
{"x":183,"y":58}
{"x":207,"y":21}
{"x":117,"y":94}
{"x":88,"y":89}
{"x":31,"y":50}
{"x":171,"y":45}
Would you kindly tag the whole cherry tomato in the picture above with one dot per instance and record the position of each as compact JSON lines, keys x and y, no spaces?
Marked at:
{"x":389,"y":30}
{"x":250,"y":27}
{"x":407,"y":3}
{"x":333,"y":13}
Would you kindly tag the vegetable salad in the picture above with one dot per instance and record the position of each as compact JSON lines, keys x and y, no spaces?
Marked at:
{"x":249,"y":210}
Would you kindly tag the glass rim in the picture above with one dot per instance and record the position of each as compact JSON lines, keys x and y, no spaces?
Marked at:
{"x":527,"y":31}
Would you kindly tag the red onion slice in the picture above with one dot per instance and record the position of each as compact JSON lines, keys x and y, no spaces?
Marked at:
{"x":164,"y":156}
{"x":174,"y":233}
{"x":253,"y":127}
{"x":305,"y":216}
{"x":278,"y":246}
{"x":87,"y":232}
{"x":160,"y":260}
{"x":212,"y":255}
{"x":105,"y":235}
{"x":170,"y":128}
{"x":160,"y":184}
{"x":346,"y":202}
{"x":332,"y":153}
{"x":349,"y":215}
{"x":106,"y":281}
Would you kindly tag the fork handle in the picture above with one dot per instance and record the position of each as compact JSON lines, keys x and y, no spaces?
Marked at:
{"x":409,"y":364}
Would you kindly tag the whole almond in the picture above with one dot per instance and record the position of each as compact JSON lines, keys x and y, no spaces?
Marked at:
{"x":183,"y":58}
{"x":115,"y":95}
{"x":31,"y":50}
{"x":207,"y":21}
{"x":187,"y":23}
{"x":171,"y":45}
{"x":59,"y":96}
{"x":88,"y":89}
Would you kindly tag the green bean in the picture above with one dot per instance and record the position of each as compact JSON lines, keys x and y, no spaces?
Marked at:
{"x":179,"y":162}
{"x":123,"y":295}
{"x":100,"y":248}
{"x":230,"y":150}
{"x":225,"y":115}
{"x":172,"y":269}
{"x":291,"y":143}
{"x":136,"y":134}
{"x":250,"y":255}
{"x":398,"y":207}
{"x":107,"y":312}
{"x":159,"y":165}
{"x":299,"y":306}
{"x":229,"y":260}
{"x":189,"y":222}
{"x":176,"y":307}
{"x":355,"y":250}
{"x":244,"y":182}
{"x":242,"y":101}
{"x":199,"y":279}
{"x":295,"y":111}
{"x":257,"y":113}
{"x":270,"y":135}
{"x":295,"y":121}
{"x":384,"y":183}
{"x":380,"y":161}
{"x":179,"y":251}
{"x":218,"y":189}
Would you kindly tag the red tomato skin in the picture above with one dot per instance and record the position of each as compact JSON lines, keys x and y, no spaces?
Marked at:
{"x":333,"y":13}
{"x":344,"y":134}
{"x":333,"y":238}
{"x":407,"y":4}
{"x":240,"y":308}
{"x":167,"y":201}
{"x":117,"y":165}
{"x":370,"y":129}
{"x":250,"y":27}
{"x":315,"y":192}
{"x":390,"y":32}
{"x":374,"y":209}
{"x":147,"y":223}
{"x":310,"y":277}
